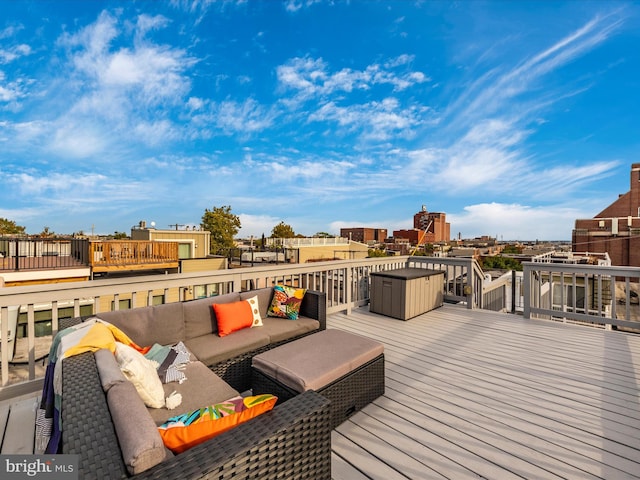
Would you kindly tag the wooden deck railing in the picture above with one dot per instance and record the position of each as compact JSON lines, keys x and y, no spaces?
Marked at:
{"x":121,"y":254}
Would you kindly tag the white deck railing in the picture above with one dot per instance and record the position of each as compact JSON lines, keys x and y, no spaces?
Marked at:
{"x":583,"y":293}
{"x":597,"y":295}
{"x":345,"y":282}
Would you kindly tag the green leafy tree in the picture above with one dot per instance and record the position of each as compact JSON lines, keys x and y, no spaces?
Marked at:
{"x":46,"y":233}
{"x":501,"y":263}
{"x":323,"y":235}
{"x":282,"y":230}
{"x":223,"y":225}
{"x":9,"y":227}
{"x":512,"y":249}
{"x":119,"y":235}
{"x":374,"y":252}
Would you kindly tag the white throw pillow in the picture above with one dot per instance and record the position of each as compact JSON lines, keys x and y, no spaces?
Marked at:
{"x":255,"y":311}
{"x":142,"y":373}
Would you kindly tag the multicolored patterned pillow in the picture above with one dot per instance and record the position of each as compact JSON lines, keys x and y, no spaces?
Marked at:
{"x":184,"y":431}
{"x":286,"y":302}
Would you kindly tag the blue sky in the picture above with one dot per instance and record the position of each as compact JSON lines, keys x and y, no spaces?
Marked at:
{"x":513,"y":118}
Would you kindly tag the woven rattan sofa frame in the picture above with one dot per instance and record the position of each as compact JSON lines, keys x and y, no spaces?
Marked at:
{"x":291,"y":441}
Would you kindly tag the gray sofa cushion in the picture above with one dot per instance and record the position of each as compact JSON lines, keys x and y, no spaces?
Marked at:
{"x":163,"y":324}
{"x":281,"y":329}
{"x":108,"y":369}
{"x":211,"y":349}
{"x":201,"y":388}
{"x":140,"y":441}
{"x":199,"y":318}
{"x":264,"y":299}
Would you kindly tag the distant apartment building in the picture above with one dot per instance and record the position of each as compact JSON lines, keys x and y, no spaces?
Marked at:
{"x":364,"y":235}
{"x":316,"y":249}
{"x":428,"y":227}
{"x":433,"y":222}
{"x":616,"y":229}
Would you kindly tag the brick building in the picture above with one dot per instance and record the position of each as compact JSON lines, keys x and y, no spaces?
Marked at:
{"x":428,"y":227}
{"x":616,"y":229}
{"x":364,"y":235}
{"x":434,"y":223}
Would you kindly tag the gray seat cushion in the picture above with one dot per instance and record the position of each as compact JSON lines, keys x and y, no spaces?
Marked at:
{"x":212,"y":349}
{"x":281,"y":329}
{"x":201,"y":388}
{"x":313,"y":362}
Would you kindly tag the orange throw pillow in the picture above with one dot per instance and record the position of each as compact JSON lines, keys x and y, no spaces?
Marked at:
{"x":233,"y":316}
{"x":182,"y":432}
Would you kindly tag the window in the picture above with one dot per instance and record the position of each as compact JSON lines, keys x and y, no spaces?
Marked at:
{"x":122,"y":304}
{"x":157,"y":300}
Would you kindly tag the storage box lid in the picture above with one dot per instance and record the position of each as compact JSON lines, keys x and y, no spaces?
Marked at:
{"x":408,"y":273}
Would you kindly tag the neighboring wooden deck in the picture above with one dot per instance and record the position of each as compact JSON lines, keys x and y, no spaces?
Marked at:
{"x":474,"y":394}
{"x":477,"y":394}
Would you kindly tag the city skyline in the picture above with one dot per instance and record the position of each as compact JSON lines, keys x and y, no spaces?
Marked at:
{"x":513,"y":118}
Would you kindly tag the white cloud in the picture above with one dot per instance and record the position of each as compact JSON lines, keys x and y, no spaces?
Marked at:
{"x":374,"y":120}
{"x":244,"y":118}
{"x":494,"y":92}
{"x":124,"y":77}
{"x":78,"y":140}
{"x":515,"y":221}
{"x":311,"y":77}
{"x":293,"y":6}
{"x":256,"y":225}
{"x":13,"y":53}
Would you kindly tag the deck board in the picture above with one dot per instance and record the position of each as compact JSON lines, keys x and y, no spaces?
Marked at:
{"x":19,"y":433}
{"x":472,"y":394}
{"x":478,"y":393}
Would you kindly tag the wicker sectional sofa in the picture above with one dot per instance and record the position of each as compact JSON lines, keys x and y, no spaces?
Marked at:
{"x":107,"y":426}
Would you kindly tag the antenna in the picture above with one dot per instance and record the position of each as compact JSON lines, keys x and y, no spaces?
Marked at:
{"x":176,"y":225}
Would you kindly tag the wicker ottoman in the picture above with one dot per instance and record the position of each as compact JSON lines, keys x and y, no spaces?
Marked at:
{"x":347,"y":369}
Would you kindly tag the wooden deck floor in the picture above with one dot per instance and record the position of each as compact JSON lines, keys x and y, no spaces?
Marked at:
{"x":476,"y":394}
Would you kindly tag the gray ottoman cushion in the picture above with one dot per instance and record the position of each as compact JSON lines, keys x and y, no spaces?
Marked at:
{"x":315,"y":361}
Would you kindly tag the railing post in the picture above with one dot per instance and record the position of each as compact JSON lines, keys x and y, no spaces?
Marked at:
{"x":513,"y":291}
{"x":526,"y":278}
{"x":348,"y":283}
{"x":17,"y":255}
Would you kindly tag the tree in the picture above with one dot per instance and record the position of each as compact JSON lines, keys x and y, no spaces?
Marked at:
{"x":282,"y":230}
{"x":223,"y":225}
{"x":512,"y":249}
{"x":9,"y":227}
{"x":46,"y":233}
{"x":120,"y":235}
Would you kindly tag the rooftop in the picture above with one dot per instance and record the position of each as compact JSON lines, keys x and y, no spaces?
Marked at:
{"x":480,"y":394}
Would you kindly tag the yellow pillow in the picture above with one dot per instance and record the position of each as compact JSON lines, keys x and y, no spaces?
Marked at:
{"x":184,"y":431}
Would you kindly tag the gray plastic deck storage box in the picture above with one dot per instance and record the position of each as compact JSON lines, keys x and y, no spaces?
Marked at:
{"x":406,"y":292}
